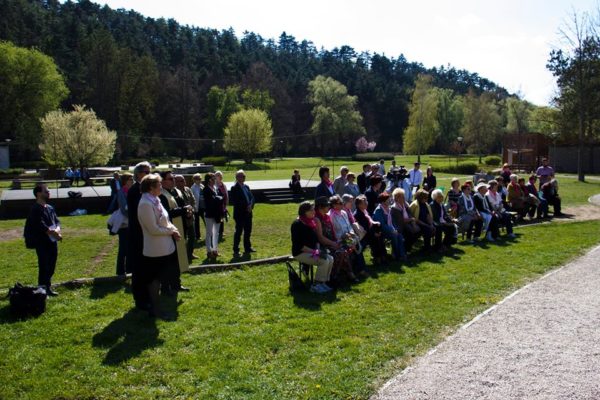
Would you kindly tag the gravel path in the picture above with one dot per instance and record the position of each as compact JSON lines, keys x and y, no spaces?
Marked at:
{"x":542,"y":342}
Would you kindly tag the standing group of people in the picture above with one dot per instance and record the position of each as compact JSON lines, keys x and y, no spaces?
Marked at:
{"x":76,"y":174}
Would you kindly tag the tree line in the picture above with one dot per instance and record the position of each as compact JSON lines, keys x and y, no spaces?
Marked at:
{"x":166,"y":88}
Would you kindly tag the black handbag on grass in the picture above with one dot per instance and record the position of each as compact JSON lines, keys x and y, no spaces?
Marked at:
{"x":26,"y":301}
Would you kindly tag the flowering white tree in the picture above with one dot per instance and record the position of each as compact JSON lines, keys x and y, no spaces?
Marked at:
{"x":362,"y":145}
{"x":249,"y":132}
{"x":77,"y":138}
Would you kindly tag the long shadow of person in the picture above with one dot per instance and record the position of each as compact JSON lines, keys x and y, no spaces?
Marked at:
{"x":103,"y":289}
{"x":127,"y":337}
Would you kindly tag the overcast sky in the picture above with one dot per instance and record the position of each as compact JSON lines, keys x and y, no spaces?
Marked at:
{"x":506,"y":41}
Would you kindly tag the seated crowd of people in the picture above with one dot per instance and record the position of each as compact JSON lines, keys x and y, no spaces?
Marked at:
{"x":402,"y":207}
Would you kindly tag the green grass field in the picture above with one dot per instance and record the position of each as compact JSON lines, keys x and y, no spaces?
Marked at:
{"x":242,"y":335}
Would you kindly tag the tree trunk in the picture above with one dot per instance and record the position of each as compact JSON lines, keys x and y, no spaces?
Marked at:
{"x":580,"y":146}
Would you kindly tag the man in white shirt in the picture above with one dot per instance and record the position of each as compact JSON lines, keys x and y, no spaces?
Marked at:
{"x":340,"y":181}
{"x":415,"y":177}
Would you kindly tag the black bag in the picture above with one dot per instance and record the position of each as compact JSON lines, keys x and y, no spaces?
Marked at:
{"x":296,"y":284}
{"x":26,"y":301}
{"x":74,"y":195}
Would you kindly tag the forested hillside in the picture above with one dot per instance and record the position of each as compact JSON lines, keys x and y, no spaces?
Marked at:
{"x":149,"y":78}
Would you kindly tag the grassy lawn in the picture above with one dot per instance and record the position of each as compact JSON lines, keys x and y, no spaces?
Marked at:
{"x":241,"y":335}
{"x":283,"y":168}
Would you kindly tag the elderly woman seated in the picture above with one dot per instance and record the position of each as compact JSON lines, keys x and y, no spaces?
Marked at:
{"x":306,"y":247}
{"x":424,"y":217}
{"x":383,"y":215}
{"x":344,"y":231}
{"x":483,"y":206}
{"x":495,"y":201}
{"x":327,"y":237}
{"x":403,"y":220}
{"x":442,"y":221}
{"x":468,"y":216}
{"x":516,"y":197}
{"x":373,"y":237}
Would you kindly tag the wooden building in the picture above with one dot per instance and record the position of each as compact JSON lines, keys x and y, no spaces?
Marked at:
{"x":524,"y":151}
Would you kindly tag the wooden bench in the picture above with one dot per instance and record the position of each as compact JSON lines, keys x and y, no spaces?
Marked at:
{"x":18,"y":183}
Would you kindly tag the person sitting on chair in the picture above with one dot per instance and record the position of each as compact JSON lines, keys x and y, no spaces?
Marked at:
{"x":402,"y":219}
{"x":306,"y":248}
{"x":542,"y":209}
{"x":490,"y":224}
{"x":373,"y":237}
{"x":495,"y":201}
{"x":383,"y":215}
{"x":373,"y":192}
{"x":516,"y":197}
{"x":295,"y":182}
{"x":469,"y":218}
{"x":424,"y":216}
{"x":550,"y":193}
{"x":442,"y":221}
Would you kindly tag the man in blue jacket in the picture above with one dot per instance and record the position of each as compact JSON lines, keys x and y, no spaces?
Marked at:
{"x":243,"y":203}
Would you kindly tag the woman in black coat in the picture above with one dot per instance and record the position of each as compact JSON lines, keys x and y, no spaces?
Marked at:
{"x":213,"y":214}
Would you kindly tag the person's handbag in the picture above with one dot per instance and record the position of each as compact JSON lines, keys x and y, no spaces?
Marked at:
{"x":359,"y":230}
{"x":296,"y":284}
{"x":26,"y":301}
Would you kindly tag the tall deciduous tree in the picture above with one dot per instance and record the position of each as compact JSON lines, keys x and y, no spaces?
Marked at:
{"x":335,"y":116}
{"x":481,"y":124}
{"x":449,"y":117}
{"x":30,"y":86}
{"x":77,"y":138}
{"x":518,"y":115}
{"x":179,"y":109}
{"x":577,"y":70}
{"x":249,"y":133}
{"x":422,"y":130}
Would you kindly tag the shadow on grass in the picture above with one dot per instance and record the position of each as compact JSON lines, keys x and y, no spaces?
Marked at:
{"x":102,"y":289}
{"x":6,"y":317}
{"x":312,"y":301}
{"x":127,"y":337}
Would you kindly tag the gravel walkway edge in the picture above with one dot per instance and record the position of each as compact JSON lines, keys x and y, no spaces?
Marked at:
{"x":460,"y":368}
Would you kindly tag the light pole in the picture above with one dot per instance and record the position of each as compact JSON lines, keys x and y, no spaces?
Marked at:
{"x":213,"y":145}
{"x":460,"y":139}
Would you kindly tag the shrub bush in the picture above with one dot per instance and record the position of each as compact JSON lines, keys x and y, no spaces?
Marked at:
{"x":492,"y":160}
{"x":38,"y":164}
{"x":467,"y":168}
{"x":372,"y":156}
{"x":11,"y":172}
{"x":215,"y":160}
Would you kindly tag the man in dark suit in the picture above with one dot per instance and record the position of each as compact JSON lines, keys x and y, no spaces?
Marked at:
{"x":325,"y":188}
{"x":243,"y":203}
{"x":363,"y":178}
{"x":141,"y":297}
{"x":172,"y":201}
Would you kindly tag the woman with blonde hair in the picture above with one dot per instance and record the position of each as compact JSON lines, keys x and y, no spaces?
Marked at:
{"x":159,"y":251}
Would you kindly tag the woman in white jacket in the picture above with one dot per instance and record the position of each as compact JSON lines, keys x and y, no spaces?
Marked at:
{"x":159,"y":235}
